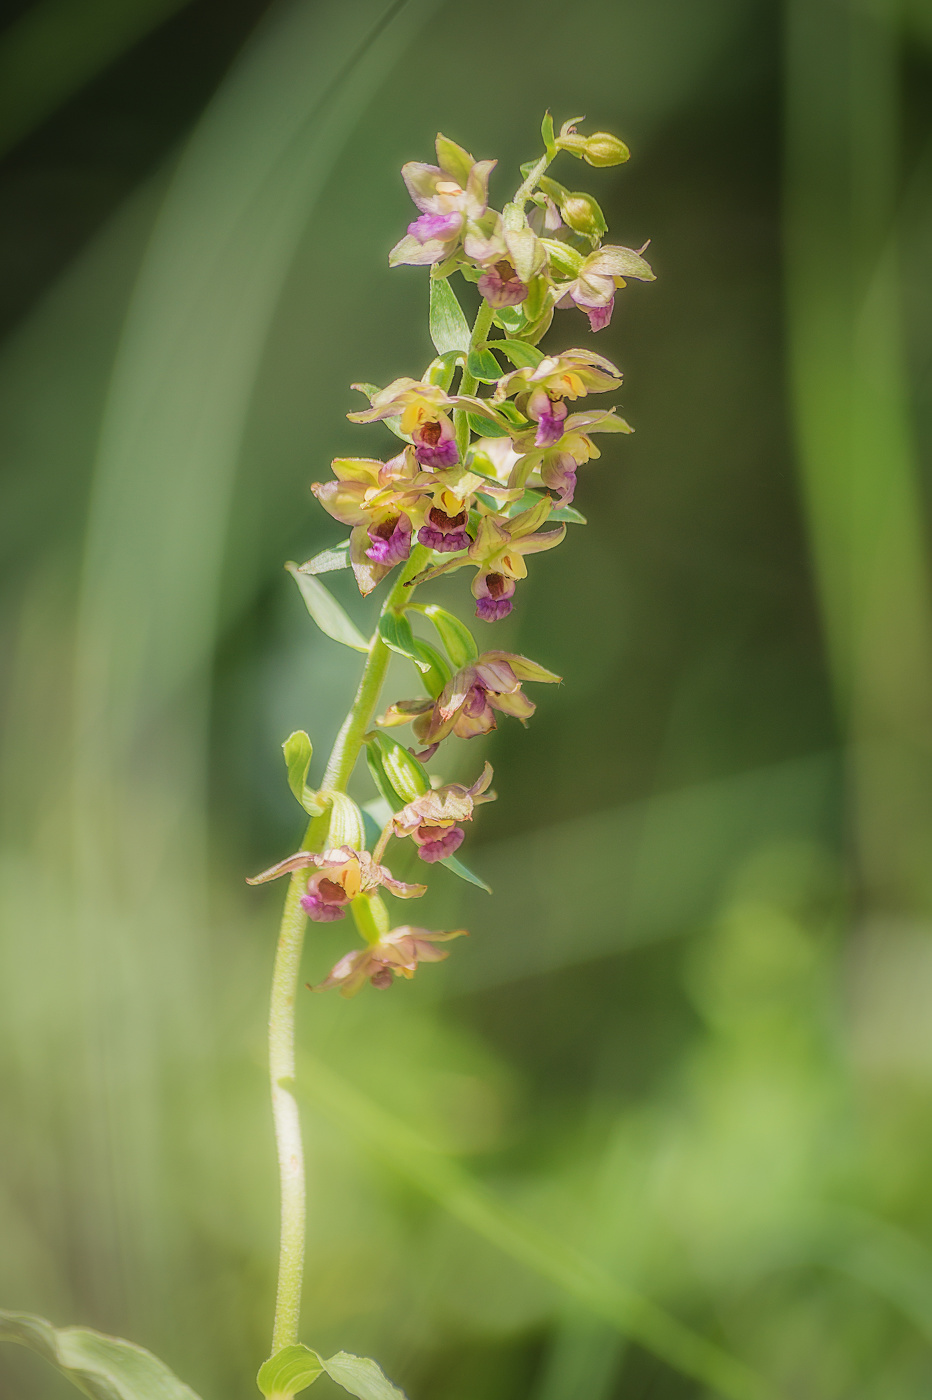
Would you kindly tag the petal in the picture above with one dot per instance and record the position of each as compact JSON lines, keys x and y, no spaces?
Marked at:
{"x":517,"y":704}
{"x":421,"y":181}
{"x":411,"y":252}
{"x":299,"y":861}
{"x":477,"y":188}
{"x":401,"y":890}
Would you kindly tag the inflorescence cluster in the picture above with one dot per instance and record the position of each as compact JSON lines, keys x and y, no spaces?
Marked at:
{"x":481,"y":479}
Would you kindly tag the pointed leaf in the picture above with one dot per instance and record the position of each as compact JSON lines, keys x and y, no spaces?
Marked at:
{"x":361,"y":1377}
{"x":465,"y":873}
{"x":289,"y":1371}
{"x":326,"y":611}
{"x":482,"y":365}
{"x":546,"y":131}
{"x":449,"y":329}
{"x":395,"y":631}
{"x":328,"y":561}
{"x":458,"y":641}
{"x":104,"y":1368}
{"x":521,"y":355}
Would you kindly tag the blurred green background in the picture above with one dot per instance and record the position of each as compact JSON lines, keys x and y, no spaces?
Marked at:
{"x":663,"y":1127}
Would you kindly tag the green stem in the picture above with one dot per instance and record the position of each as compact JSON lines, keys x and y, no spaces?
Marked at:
{"x":469,"y":383}
{"x":342,"y":760}
{"x":287,"y":970}
{"x":285,"y":1114}
{"x":525,"y":191}
{"x":286,"y":975}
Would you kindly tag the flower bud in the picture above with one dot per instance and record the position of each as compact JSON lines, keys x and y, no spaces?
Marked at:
{"x":600,"y":148}
{"x":604,"y":149}
{"x":578,"y":210}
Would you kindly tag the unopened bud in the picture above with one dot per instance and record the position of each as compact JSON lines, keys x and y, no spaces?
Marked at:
{"x":600,"y":148}
{"x":604,"y":149}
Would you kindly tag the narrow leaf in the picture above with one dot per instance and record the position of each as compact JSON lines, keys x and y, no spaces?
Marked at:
{"x":292,"y":1369}
{"x":104,"y":1368}
{"x":458,"y":641}
{"x":328,"y":561}
{"x":521,"y":355}
{"x":395,"y":631}
{"x":449,"y":329}
{"x":326,"y":611}
{"x":458,"y":868}
{"x":361,"y":1377}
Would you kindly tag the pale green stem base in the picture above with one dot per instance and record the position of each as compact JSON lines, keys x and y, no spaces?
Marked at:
{"x":286,"y":976}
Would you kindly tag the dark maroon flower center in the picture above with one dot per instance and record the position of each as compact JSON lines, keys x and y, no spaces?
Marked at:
{"x":443,"y":521}
{"x":330,"y":891}
{"x":496,"y":584}
{"x":431,"y":434}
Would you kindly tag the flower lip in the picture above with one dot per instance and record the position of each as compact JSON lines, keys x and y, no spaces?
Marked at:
{"x":391,"y":540}
{"x":444,"y":533}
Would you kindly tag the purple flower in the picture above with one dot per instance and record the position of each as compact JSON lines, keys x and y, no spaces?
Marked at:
{"x":444,"y":533}
{"x":601,"y":274}
{"x":452,"y":198}
{"x":558,"y":471}
{"x":397,"y":954}
{"x":466,"y":705}
{"x":501,"y":285}
{"x":493,"y":593}
{"x":325,"y":900}
{"x":391,"y":540}
{"x":433,"y":819}
{"x":338,"y":877}
{"x":435,"y":442}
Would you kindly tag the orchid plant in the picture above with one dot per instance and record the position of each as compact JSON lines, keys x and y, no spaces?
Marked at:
{"x":489,"y":441}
